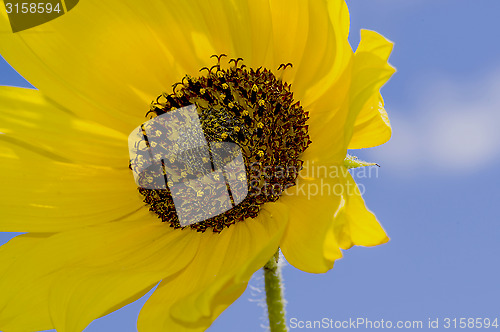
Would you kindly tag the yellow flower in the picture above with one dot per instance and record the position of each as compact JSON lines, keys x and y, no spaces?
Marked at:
{"x":92,"y":246}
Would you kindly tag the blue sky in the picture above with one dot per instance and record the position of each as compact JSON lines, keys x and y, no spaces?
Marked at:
{"x":435,"y":194}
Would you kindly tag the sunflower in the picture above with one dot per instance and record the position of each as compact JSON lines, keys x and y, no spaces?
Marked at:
{"x":93,"y":240}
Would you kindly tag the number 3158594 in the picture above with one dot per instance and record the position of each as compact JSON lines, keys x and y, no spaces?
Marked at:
{"x":32,"y":8}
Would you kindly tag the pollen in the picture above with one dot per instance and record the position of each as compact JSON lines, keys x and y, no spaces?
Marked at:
{"x":253,"y":109}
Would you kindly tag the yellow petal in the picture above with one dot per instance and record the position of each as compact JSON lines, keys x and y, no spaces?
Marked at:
{"x":327,"y":98}
{"x":309,"y":243}
{"x":290,"y":25}
{"x":372,"y":126}
{"x":42,"y":195}
{"x":30,"y":119}
{"x":78,"y":276}
{"x":354,"y":224}
{"x":327,"y":213}
{"x":329,"y":118}
{"x":191,"y":300}
{"x":106,"y":61}
{"x":321,"y":50}
{"x":9,"y":254}
{"x":335,"y":114}
{"x":73,"y":59}
{"x":371,"y":71}
{"x":234,"y":28}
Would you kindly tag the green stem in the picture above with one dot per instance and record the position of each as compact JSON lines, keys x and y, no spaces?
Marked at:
{"x":274,"y":295}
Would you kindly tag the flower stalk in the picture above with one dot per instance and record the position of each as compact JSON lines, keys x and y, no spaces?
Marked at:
{"x":274,"y":295}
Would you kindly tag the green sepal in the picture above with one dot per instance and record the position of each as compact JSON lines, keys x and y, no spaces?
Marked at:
{"x":354,"y":162}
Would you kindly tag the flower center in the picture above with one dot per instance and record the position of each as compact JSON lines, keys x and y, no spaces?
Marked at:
{"x":251,"y":115}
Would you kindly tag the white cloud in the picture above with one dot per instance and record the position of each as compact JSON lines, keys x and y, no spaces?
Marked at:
{"x":453,"y":127}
